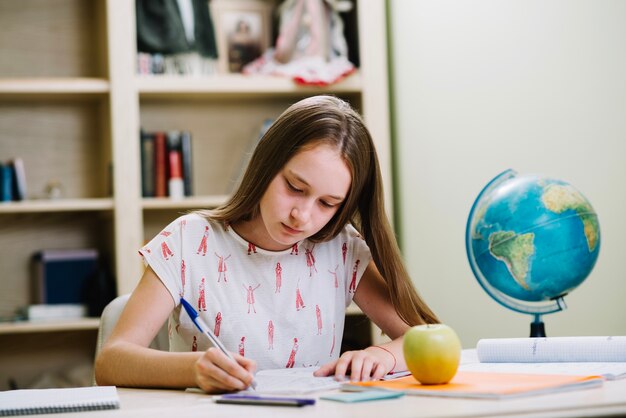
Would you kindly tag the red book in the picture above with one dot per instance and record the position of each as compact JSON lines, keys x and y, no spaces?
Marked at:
{"x":160,"y":165}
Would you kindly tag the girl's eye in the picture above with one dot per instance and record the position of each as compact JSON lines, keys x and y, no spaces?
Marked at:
{"x":326,"y":204}
{"x":293,"y":188}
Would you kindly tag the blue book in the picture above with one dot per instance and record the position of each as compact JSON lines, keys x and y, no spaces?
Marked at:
{"x":6,"y":183}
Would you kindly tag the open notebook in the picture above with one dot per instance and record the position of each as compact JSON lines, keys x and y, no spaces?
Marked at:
{"x":49,"y":401}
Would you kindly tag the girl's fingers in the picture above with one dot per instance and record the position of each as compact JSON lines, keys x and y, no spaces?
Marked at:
{"x":326,"y":370}
{"x":342,"y":365}
{"x":379,"y":371}
{"x":366,"y":369}
{"x":217,"y":371}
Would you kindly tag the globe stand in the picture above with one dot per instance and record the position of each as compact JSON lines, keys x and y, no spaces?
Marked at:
{"x":537,"y":328}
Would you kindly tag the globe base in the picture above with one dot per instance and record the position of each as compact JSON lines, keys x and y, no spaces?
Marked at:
{"x":537,"y":328}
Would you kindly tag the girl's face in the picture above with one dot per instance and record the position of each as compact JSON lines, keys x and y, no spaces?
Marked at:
{"x":302,"y":198}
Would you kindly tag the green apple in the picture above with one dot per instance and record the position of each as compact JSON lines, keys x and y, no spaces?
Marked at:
{"x":432,"y":353}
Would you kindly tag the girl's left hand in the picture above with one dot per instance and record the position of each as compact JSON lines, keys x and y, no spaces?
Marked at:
{"x":369,"y":364}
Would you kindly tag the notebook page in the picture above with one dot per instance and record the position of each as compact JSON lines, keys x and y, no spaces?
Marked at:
{"x":552,"y":349}
{"x":299,"y":380}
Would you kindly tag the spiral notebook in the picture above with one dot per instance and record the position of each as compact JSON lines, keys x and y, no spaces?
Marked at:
{"x":50,"y":401}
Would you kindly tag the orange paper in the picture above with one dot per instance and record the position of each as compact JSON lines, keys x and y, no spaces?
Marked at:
{"x":489,"y":385}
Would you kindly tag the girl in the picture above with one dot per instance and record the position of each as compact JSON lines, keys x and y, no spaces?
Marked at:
{"x":311,"y":202}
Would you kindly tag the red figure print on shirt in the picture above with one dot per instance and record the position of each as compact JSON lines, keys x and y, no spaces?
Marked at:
{"x":250,"y":296}
{"x":334,"y":274}
{"x":279,"y":277}
{"x":165,"y":233}
{"x":310,"y":260}
{"x":270,"y":335}
{"x":201,"y":298}
{"x":353,"y":281}
{"x":182,"y":277}
{"x":251,"y":248}
{"x":299,"y":301}
{"x":242,"y":349}
{"x":294,"y":249}
{"x":332,"y":347}
{"x":203,"y":242}
{"x":318,"y":315}
{"x":183,"y":223}
{"x":194,"y":344}
{"x":218,"y":324}
{"x":292,"y":357}
{"x":221,"y":267}
{"x":165,"y":250}
{"x":344,"y":251}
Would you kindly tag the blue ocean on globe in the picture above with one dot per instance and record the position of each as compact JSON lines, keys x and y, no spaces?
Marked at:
{"x":531,"y":239}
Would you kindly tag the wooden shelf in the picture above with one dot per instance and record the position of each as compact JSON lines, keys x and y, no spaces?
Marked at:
{"x":49,"y":326}
{"x":237,"y":85}
{"x":186,"y":203}
{"x":61,"y":205}
{"x":56,"y":87}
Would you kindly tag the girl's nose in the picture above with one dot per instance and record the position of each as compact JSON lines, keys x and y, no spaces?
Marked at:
{"x":301,"y":213}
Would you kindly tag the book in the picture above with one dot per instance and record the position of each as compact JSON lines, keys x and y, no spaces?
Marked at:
{"x":147,"y":164}
{"x":62,"y":276}
{"x":185,"y":149}
{"x":19,"y":179}
{"x":6,"y":183}
{"x":488,"y":385}
{"x":175,"y":184}
{"x":552,"y":349}
{"x":50,"y":401}
{"x":160,"y":164}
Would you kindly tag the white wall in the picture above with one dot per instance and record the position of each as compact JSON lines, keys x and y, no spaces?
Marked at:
{"x":484,"y":85}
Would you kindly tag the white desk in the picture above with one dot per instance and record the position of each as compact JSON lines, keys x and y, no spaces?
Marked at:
{"x":610,"y":399}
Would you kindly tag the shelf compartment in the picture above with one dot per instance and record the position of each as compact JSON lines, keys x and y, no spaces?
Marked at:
{"x":65,"y":142}
{"x":219,"y":155}
{"x":62,"y":38}
{"x":24,"y":234}
{"x":238,"y":85}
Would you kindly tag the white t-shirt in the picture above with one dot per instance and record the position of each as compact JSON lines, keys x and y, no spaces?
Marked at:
{"x":280,"y":308}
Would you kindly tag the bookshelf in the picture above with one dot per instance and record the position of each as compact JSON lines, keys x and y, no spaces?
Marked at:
{"x":71,"y":105}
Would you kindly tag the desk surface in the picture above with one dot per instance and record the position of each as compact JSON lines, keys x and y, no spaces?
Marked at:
{"x":610,"y":399}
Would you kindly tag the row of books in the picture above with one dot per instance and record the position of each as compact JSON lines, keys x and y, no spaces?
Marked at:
{"x":166,"y":164}
{"x":12,"y":180}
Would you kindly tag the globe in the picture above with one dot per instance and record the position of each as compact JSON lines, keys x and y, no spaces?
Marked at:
{"x":531,"y":240}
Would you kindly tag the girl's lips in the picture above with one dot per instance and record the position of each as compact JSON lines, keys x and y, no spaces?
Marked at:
{"x":291,"y":230}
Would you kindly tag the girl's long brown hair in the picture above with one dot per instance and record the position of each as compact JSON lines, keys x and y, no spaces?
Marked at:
{"x":327,"y":119}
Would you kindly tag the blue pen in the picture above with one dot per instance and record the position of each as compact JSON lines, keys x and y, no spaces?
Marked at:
{"x":204,"y":328}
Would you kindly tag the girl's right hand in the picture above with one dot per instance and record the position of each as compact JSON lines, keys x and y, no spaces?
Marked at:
{"x":216,"y":373}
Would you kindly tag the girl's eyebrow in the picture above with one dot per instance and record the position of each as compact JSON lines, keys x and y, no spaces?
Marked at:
{"x":303,"y":181}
